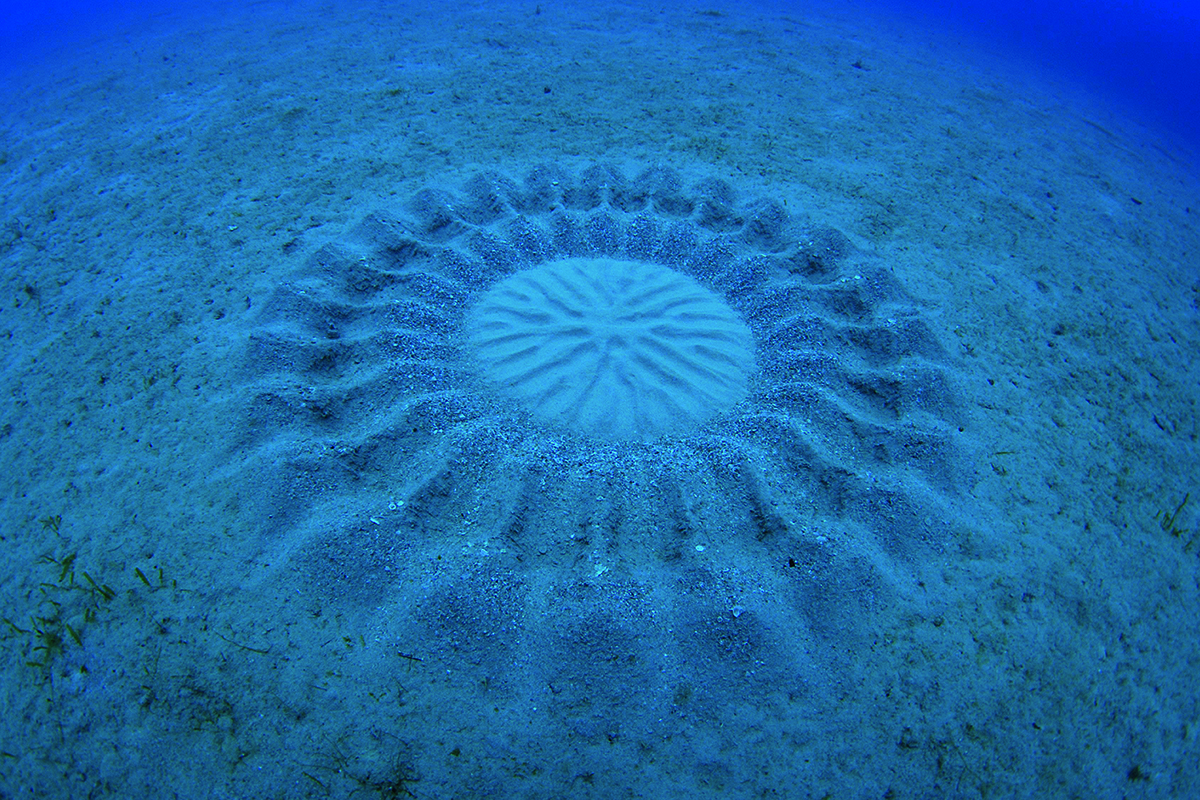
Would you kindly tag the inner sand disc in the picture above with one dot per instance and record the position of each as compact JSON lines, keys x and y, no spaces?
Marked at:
{"x":613,"y":348}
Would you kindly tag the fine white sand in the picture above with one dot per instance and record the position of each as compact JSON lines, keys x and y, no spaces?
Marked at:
{"x":158,"y":185}
{"x":621,"y":349}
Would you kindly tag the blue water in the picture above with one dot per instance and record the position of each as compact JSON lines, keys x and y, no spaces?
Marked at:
{"x":1142,"y":54}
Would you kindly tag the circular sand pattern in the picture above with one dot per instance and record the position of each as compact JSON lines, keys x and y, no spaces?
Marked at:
{"x":615,"y":348}
{"x":622,"y":586}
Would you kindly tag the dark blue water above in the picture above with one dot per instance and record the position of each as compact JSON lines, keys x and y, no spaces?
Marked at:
{"x":1142,"y":54}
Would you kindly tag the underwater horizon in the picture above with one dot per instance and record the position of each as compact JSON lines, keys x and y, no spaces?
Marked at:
{"x":1140,"y":54}
{"x":531,"y":400}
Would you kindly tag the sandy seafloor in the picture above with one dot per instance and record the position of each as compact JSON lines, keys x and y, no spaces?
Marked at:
{"x":158,"y":188}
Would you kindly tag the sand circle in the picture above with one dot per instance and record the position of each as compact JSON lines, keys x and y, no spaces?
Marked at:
{"x":612,"y":348}
{"x":767,"y":453}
